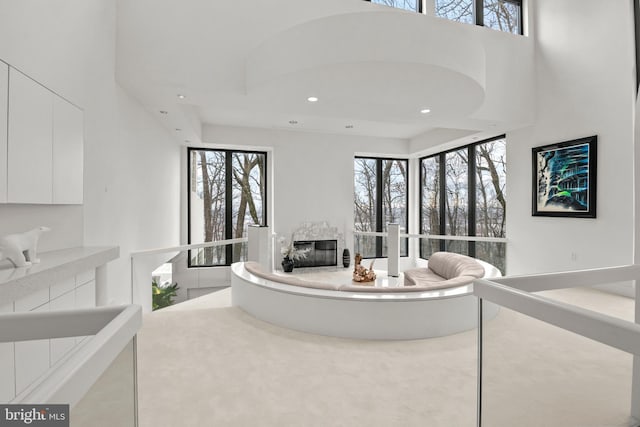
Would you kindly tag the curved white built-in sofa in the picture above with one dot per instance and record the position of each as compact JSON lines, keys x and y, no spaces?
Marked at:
{"x":327,"y":302}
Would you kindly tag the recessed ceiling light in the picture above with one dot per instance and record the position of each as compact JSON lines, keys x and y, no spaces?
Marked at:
{"x":349,"y":126}
{"x":293,"y":122}
{"x":181,"y":96}
{"x":312,"y":99}
{"x":425,"y":111}
{"x":164,"y":112}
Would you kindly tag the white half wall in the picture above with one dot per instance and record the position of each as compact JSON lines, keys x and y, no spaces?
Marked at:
{"x":585,"y":86}
{"x":132,"y":166}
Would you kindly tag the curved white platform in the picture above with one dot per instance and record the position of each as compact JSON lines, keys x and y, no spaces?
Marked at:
{"x":366,"y":315}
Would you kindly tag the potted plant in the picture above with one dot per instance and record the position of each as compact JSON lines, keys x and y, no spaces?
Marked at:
{"x":290,"y":254}
{"x":163,"y":294}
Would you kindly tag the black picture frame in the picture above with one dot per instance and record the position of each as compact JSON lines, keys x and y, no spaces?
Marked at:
{"x":564,"y":178}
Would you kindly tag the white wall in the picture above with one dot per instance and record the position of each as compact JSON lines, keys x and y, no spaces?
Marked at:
{"x":135,"y":184}
{"x":131,"y":165}
{"x":311,"y":174}
{"x":584,"y":78}
{"x":38,"y":45}
{"x":583,"y":86}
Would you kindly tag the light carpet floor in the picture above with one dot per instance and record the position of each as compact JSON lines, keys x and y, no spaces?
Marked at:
{"x":209,"y":364}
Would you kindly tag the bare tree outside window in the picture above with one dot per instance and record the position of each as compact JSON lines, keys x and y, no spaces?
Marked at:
{"x":387,"y":178}
{"x":248,"y":196}
{"x":502,"y":15}
{"x":365,"y":211}
{"x":394,"y":199}
{"x":455,"y":10}
{"x":209,"y":190}
{"x":227,"y":193}
{"x":491,"y":204}
{"x":399,"y":4}
{"x":487,"y":185}
{"x":457,"y":199}
{"x":430,"y":221}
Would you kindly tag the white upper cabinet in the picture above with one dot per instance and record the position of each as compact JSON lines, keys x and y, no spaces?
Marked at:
{"x":67,"y":152}
{"x":4,"y":100}
{"x":41,"y":160}
{"x":30,"y":140}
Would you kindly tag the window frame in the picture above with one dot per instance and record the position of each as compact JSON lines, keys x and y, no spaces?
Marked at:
{"x":379,"y":226}
{"x":636,"y":20}
{"x":471,"y":184}
{"x":228,"y":207}
{"x":478,"y":12}
{"x":479,"y":17}
{"x":419,"y":6}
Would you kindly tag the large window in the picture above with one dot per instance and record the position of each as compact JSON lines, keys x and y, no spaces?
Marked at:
{"x":226,"y":194}
{"x":462,"y":193}
{"x":413,"y":5}
{"x":502,"y":15}
{"x":380,"y":198}
{"x":456,"y":10}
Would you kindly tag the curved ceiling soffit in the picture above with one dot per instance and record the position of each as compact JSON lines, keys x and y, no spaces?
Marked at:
{"x":373,"y":65}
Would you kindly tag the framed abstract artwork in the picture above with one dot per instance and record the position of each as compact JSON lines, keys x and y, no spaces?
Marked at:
{"x":564,"y":179}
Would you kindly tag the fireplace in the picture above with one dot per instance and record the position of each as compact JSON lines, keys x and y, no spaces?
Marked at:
{"x":322,"y":253}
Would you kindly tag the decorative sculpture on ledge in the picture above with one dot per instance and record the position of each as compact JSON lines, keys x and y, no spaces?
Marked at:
{"x":20,"y":248}
{"x":362,"y":274}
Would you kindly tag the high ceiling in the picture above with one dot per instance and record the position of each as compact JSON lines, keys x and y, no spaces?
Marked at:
{"x":254,"y":64}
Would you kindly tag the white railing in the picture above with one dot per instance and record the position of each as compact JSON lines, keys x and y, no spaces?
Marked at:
{"x":434,"y":236}
{"x":187,"y":247}
{"x":69,"y":379}
{"x":144,"y":262}
{"x":515,"y":294}
{"x":393,"y":238}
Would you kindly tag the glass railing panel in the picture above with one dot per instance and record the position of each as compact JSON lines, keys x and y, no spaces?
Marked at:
{"x":428,"y":247}
{"x":495,"y":253}
{"x":366,"y":246}
{"x":208,"y":257}
{"x":111,"y":401}
{"x":217,"y":255}
{"x":404,"y":247}
{"x":457,"y":246}
{"x":535,"y":374}
{"x":240,"y":252}
{"x":492,"y":252}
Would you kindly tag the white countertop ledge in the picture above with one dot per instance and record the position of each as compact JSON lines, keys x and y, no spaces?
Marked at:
{"x":54,"y":266}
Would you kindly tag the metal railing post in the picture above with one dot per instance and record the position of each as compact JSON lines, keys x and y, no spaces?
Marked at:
{"x":635,"y":382}
{"x":479,"y":379}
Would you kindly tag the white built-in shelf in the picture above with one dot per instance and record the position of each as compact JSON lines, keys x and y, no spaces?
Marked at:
{"x":54,"y":266}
